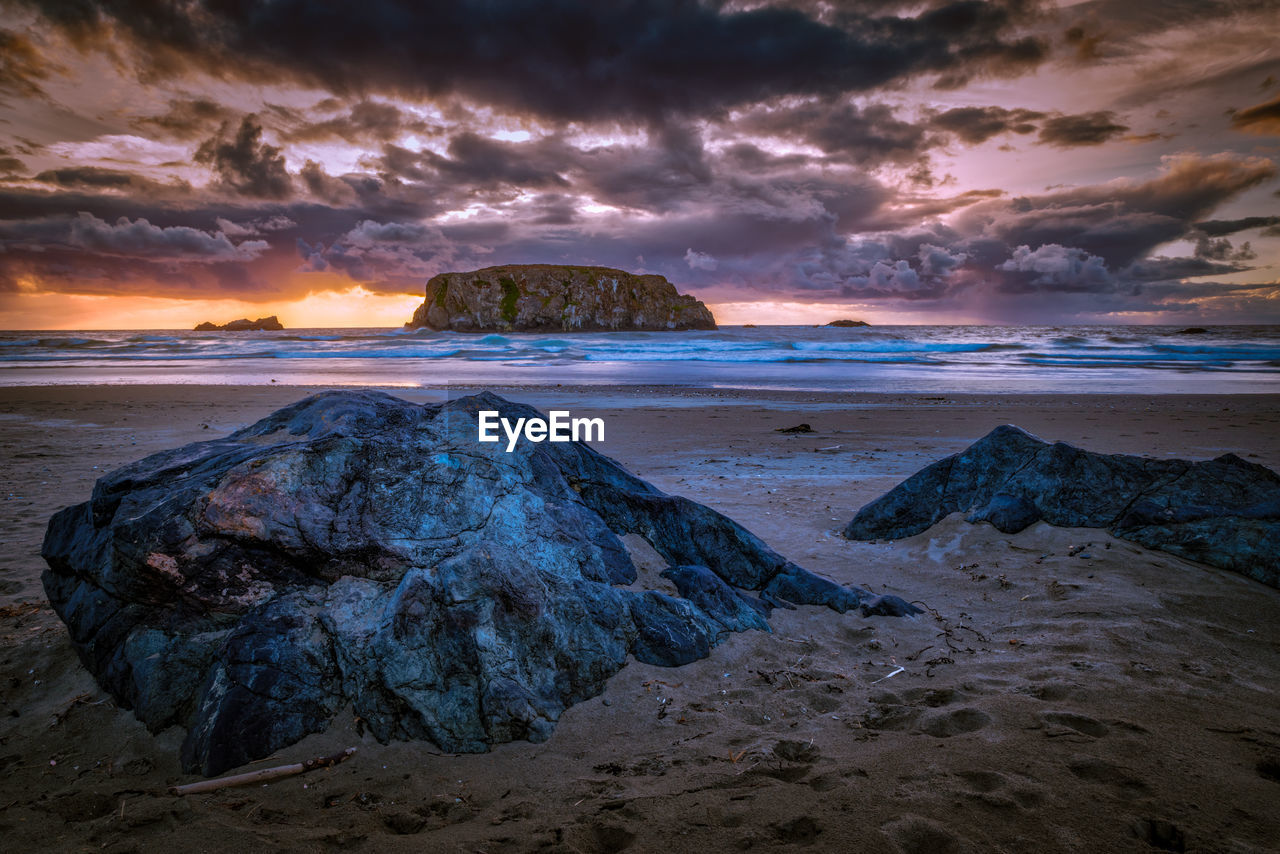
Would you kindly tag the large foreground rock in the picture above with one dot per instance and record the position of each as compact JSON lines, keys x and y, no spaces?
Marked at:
{"x":1224,"y":512}
{"x":357,"y":548}
{"x":555,"y":298}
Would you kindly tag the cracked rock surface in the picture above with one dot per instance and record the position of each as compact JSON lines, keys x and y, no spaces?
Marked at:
{"x":355,"y":548}
{"x":1224,"y":512}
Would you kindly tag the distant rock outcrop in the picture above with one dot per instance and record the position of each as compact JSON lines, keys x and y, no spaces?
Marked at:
{"x":1224,"y":512}
{"x":848,"y":323}
{"x":553,"y":298}
{"x":244,"y":324}
{"x":355,"y":548}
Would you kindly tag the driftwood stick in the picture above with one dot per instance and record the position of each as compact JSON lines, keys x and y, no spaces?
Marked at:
{"x":263,"y":776}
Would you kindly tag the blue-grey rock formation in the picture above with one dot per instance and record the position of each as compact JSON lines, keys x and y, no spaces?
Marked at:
{"x":357,"y":548}
{"x":1224,"y":512}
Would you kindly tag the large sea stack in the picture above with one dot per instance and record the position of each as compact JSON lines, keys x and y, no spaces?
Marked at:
{"x":555,"y":298}
{"x":354,"y":548}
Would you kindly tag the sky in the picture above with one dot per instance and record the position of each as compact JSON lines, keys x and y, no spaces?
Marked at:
{"x":1108,"y":161}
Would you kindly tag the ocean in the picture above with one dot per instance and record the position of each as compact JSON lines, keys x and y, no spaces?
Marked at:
{"x":942,"y":359}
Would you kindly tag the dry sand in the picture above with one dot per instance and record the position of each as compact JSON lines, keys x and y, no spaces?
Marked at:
{"x":1052,"y":699}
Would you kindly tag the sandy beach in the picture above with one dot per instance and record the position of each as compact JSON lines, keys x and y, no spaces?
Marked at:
{"x":786,"y":255}
{"x":1064,"y":690}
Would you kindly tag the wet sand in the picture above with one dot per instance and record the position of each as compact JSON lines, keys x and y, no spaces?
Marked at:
{"x":1052,"y":698}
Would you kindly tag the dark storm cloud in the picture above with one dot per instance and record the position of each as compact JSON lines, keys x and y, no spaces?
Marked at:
{"x":22,"y":66}
{"x":1119,"y":24}
{"x":554,"y":209}
{"x":1221,"y":227}
{"x":325,"y":187}
{"x":564,"y":59}
{"x":667,"y":172}
{"x":875,"y":134}
{"x":752,"y":158}
{"x":788,"y":229}
{"x":1221,"y":249}
{"x":1089,"y":240}
{"x":391,"y":256}
{"x":1084,"y":43}
{"x":244,"y":163}
{"x":99,"y":178}
{"x":139,"y":238}
{"x":479,"y":161}
{"x":863,"y":135}
{"x":1083,"y":129}
{"x":366,"y":121}
{"x":669,"y":168}
{"x":84,"y":253}
{"x":1164,"y":269}
{"x":1261,"y":118}
{"x":722,"y":211}
{"x":186,"y":119}
{"x":1121,"y":223}
{"x":976,"y":125}
{"x":402,"y":163}
{"x":196,"y":247}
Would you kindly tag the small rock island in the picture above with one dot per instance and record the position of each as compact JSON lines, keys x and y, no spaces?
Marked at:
{"x":244,"y":324}
{"x":557,"y":298}
{"x":848,"y":323}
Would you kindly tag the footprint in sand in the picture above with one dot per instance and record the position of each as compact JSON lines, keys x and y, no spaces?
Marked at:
{"x":1094,"y":770}
{"x":1069,"y":723}
{"x":803,"y":752}
{"x":913,"y":834}
{"x":893,"y":712}
{"x":603,"y":837}
{"x":797,"y":831}
{"x":996,"y":789}
{"x":821,"y":701}
{"x":951,"y":722}
{"x":825,"y":782}
{"x":1053,"y":692}
{"x":890,"y":718}
{"x":1160,"y":834}
{"x":935,"y":697}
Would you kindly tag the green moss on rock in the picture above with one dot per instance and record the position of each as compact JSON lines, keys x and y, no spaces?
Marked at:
{"x":510,"y":293}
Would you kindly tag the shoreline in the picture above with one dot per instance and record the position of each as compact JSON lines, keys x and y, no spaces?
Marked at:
{"x":920,"y":360}
{"x":637,"y":390}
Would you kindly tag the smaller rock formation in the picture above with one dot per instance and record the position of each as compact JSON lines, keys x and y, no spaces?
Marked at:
{"x":555,"y":298}
{"x":1193,"y":330}
{"x":1224,"y":512}
{"x":848,"y":323}
{"x":244,"y":324}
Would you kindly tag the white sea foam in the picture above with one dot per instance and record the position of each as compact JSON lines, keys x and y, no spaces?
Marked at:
{"x":889,"y":358}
